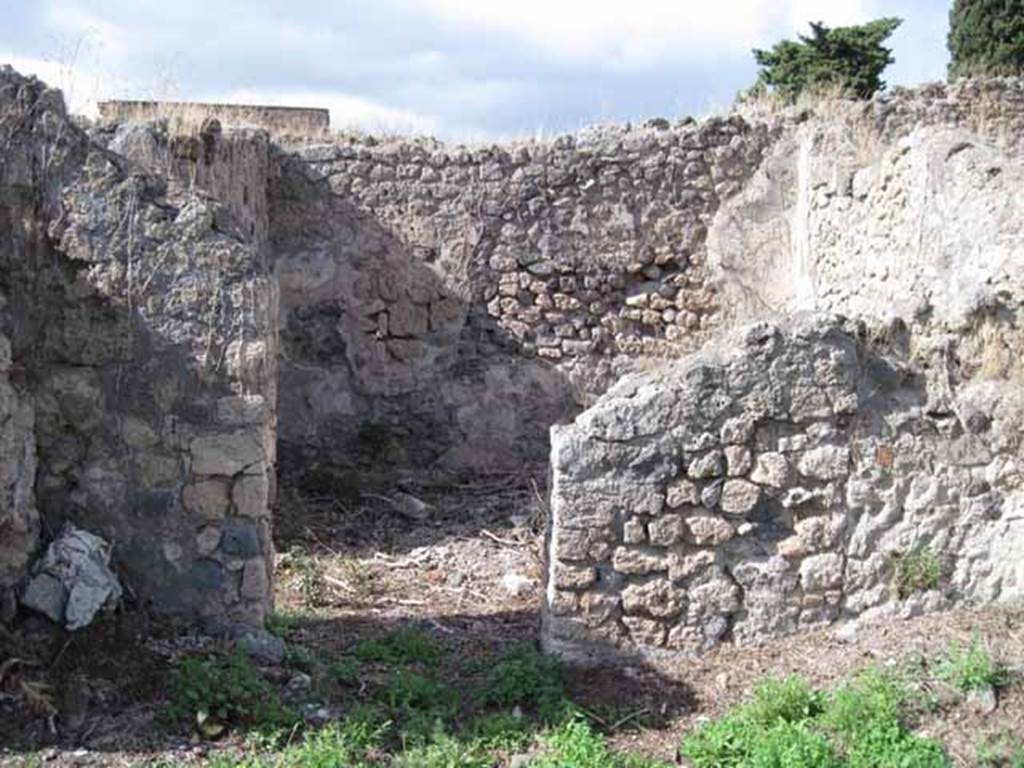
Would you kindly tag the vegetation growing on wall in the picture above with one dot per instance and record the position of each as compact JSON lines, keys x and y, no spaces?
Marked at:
{"x":848,"y":59}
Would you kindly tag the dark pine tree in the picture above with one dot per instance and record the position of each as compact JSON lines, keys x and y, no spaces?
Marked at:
{"x":986,"y":37}
{"x":850,"y":59}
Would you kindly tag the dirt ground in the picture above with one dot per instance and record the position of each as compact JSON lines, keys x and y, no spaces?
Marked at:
{"x":469,"y":575}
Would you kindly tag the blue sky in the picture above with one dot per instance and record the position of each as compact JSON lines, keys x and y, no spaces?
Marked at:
{"x":460,"y":69}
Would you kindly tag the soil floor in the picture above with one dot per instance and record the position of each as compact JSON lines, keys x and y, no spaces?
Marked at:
{"x":469,"y":576}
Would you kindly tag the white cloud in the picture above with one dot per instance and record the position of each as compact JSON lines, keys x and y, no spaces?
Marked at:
{"x":643,"y":32}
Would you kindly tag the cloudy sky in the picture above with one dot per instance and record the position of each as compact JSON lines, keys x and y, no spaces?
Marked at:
{"x":461,"y":69}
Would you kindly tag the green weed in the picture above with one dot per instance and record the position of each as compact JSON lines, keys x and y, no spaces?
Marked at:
{"x":788,"y":725}
{"x":228,"y":689}
{"x":971,"y":668}
{"x":1000,"y":750}
{"x":282,"y":623}
{"x":402,"y":647}
{"x":345,"y":670}
{"x":526,"y":677}
{"x":916,"y":571}
{"x":575,"y":744}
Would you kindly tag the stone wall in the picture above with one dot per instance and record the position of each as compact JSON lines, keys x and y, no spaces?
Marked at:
{"x":774,"y":483}
{"x":703,"y":504}
{"x":543,"y":271}
{"x":294,"y":121}
{"x":870,"y":209}
{"x":141,"y":322}
{"x":455,"y":302}
{"x":19,"y":519}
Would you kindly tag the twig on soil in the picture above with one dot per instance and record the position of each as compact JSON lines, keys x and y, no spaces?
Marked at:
{"x":60,"y":653}
{"x":440,"y":627}
{"x":338,"y":583}
{"x":498,"y":540}
{"x":632,"y":715}
{"x":8,"y":665}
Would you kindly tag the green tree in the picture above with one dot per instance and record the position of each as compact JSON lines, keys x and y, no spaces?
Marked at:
{"x":847,"y":58}
{"x":986,"y":37}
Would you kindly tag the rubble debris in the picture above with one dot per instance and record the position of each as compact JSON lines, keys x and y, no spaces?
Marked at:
{"x":72,"y":582}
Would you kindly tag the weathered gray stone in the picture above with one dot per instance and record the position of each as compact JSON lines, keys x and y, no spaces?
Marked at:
{"x":682,"y":492}
{"x":664,"y":531}
{"x":639,"y":560}
{"x":821,"y":572}
{"x":658,"y":598}
{"x":710,"y":465}
{"x":738,"y":460}
{"x":227,"y":454}
{"x":262,"y":646}
{"x":250,"y":496}
{"x":771,"y":469}
{"x":739,"y":497}
{"x":208,"y":540}
{"x":73,"y":580}
{"x":826,"y":462}
{"x":255,"y":582}
{"x":207,"y":499}
{"x":239,"y":537}
{"x":708,"y":530}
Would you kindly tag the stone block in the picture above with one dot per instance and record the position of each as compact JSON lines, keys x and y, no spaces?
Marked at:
{"x":228,"y":453}
{"x":255,"y":583}
{"x":826,"y":462}
{"x":241,"y":410}
{"x":659,"y":598}
{"x":682,"y":492}
{"x":665,"y":531}
{"x":573,"y":576}
{"x":709,"y":465}
{"x":709,"y":530}
{"x":206,"y":499}
{"x":208,"y":576}
{"x":208,"y":540}
{"x":249,"y":495}
{"x":240,"y":538}
{"x":771,"y":469}
{"x":685,"y":565}
{"x":645,"y":632}
{"x":739,"y":497}
{"x":738,"y":460}
{"x":819,"y":573}
{"x":639,"y":560}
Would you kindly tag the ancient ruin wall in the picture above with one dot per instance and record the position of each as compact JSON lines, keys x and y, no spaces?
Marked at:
{"x":140,"y":320}
{"x":454,"y":302}
{"x":793,"y":502}
{"x":906,"y":206}
{"x":774,"y":483}
{"x":287,"y":121}
{"x":464,"y":299}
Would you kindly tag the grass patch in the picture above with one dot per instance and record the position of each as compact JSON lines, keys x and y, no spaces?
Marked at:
{"x":786,"y":724}
{"x":916,"y":571}
{"x":527,"y":678}
{"x":400,"y":711}
{"x":402,"y":647}
{"x":283,"y":623}
{"x":1000,"y":750}
{"x":971,"y":668}
{"x":575,"y":744}
{"x":225,"y":691}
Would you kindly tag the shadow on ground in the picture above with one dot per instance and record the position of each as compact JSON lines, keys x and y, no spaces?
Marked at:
{"x":103,"y":689}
